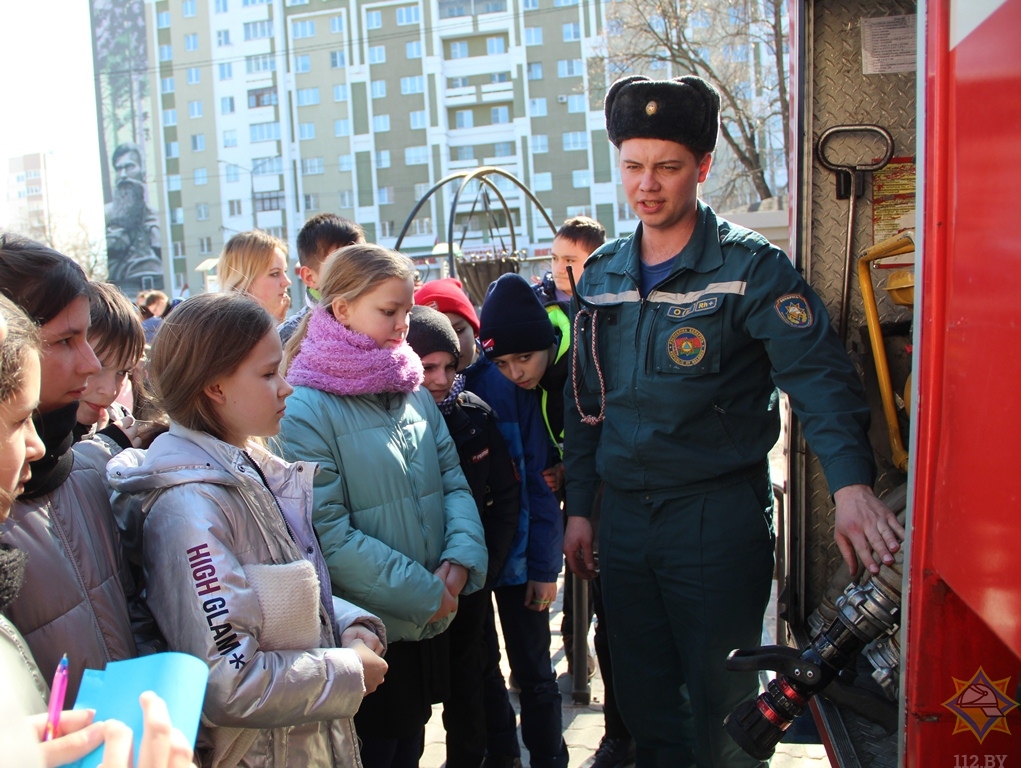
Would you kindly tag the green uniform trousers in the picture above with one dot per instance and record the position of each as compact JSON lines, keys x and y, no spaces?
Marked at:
{"x":685,"y":581}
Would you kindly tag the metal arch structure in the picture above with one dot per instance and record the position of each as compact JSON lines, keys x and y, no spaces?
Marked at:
{"x":481,"y":173}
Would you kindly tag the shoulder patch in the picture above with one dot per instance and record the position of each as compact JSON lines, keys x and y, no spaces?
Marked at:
{"x":794,"y":310}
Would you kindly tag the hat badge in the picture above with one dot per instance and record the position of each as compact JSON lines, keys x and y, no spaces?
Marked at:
{"x":651,"y":108}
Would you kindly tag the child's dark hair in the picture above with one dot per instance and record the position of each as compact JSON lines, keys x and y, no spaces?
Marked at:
{"x":323,"y":234}
{"x":205,"y":338}
{"x":584,"y":231}
{"x":37,"y":278}
{"x":115,"y":330}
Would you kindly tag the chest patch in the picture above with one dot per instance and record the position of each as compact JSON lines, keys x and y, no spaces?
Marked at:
{"x":699,"y":307}
{"x":686,"y":346}
{"x":794,"y":310}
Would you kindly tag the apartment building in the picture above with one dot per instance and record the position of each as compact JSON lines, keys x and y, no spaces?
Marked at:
{"x":28,"y":196}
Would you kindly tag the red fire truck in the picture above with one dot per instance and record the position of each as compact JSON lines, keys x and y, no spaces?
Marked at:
{"x":905,"y":119}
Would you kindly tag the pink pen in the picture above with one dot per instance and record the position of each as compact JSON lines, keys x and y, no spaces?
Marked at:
{"x":57,"y":693}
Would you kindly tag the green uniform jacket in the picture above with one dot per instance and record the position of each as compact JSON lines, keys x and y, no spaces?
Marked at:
{"x":390,"y":502}
{"x":690,"y":372}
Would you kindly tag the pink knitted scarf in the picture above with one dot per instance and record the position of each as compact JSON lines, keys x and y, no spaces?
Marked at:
{"x":344,"y":362}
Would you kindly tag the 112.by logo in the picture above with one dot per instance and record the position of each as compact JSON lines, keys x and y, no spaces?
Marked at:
{"x":980,"y":761}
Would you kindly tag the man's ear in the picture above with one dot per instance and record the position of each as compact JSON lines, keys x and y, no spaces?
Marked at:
{"x":308,"y":277}
{"x":339,"y":307}
{"x":704,"y":166}
{"x":215,"y":393}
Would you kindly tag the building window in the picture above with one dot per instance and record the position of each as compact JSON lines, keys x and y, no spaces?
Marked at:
{"x":495,"y":45}
{"x":303,"y":64}
{"x":464,"y":118}
{"x":537,"y":107}
{"x":378,"y":89}
{"x":418,"y":119}
{"x":413,"y":49}
{"x":459,"y":49}
{"x":540,"y":143}
{"x":201,"y":211}
{"x":163,"y":20}
{"x":576,"y":103}
{"x":338,"y":59}
{"x":416,"y":155}
{"x":503,"y":149}
{"x":530,"y":5}
{"x":569,"y":68}
{"x":173,"y":150}
{"x":169,"y":117}
{"x":465,"y":153}
{"x":336,"y":25}
{"x":499,"y":115}
{"x":345,"y":163}
{"x":264,"y":62}
{"x":264,"y":132}
{"x":176,"y":247}
{"x":381,"y":123}
{"x":177,"y":217}
{"x":262,"y":97}
{"x":258,"y":30}
{"x":173,"y":182}
{"x":382,"y":158}
{"x":188,"y":9}
{"x":269,"y":201}
{"x":226,"y":70}
{"x":198,"y":142}
{"x":581,"y":179}
{"x":414,"y":84}
{"x":533,"y":35}
{"x":373,"y":19}
{"x":267,"y":166}
{"x":377,"y":54}
{"x":572,"y":32}
{"x":166,"y":53}
{"x":408,"y":14}
{"x":306,"y":131}
{"x":230,"y":138}
{"x":387,"y":229}
{"x":226,"y":105}
{"x":499,"y":77}
{"x":578,"y":210}
{"x":312,"y":166}
{"x":386,"y":196}
{"x":231,"y":173}
{"x":422,"y":226}
{"x":542,"y":182}
{"x":223,"y":37}
{"x":221,"y":6}
{"x":308,"y":97}
{"x":535,"y":70}
{"x":312,"y":201}
{"x":205,"y":245}
{"x":341,"y":128}
{"x":167,"y":85}
{"x":233,"y":207}
{"x":302,"y":29}
{"x":200,"y":177}
{"x":191,"y":42}
{"x":562,"y":3}
{"x":420,"y":189}
{"x":340,"y":92}
{"x":575,"y":140}
{"x":457,"y":82}
{"x":194,"y":75}
{"x":346,"y":199}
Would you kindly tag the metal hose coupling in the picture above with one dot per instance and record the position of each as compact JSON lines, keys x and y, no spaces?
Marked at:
{"x":864,"y":613}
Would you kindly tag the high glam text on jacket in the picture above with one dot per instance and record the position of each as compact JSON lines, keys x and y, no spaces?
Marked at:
{"x":210,"y":515}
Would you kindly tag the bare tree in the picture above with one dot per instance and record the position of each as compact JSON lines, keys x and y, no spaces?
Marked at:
{"x":740,"y":47}
{"x":73,"y":238}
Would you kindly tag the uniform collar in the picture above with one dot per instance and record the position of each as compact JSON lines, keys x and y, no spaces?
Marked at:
{"x":701,"y":254}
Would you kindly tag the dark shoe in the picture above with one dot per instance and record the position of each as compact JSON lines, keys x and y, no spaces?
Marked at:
{"x":614,"y":753}
{"x":501,"y":761}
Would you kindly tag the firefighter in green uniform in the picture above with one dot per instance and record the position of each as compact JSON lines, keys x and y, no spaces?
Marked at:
{"x":685,"y":330}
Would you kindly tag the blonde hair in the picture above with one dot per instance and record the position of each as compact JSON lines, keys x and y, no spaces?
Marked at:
{"x":205,"y":338}
{"x":348,"y":273}
{"x":22,"y":339}
{"x":245,"y":258}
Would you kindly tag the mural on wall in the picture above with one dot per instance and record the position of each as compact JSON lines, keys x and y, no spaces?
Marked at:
{"x":119,"y":45}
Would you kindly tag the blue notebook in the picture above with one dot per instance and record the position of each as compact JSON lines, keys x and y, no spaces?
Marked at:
{"x":177,"y":678}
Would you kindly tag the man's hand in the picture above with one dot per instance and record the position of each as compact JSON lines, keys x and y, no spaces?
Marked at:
{"x":554,"y":477}
{"x":455,"y":577}
{"x":578,"y":547}
{"x":373,"y":667}
{"x":448,"y":604}
{"x":363,"y":634}
{"x":865,"y":525}
{"x":539,"y":595}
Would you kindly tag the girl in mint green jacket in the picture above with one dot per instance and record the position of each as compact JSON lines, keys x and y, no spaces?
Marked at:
{"x":398,"y":525}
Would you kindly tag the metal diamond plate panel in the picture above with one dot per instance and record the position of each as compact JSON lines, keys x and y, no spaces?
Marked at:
{"x":842,"y":95}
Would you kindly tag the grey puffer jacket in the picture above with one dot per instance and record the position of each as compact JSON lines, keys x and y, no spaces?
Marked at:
{"x":209,"y":515}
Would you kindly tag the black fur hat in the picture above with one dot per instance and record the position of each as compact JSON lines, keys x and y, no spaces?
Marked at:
{"x":685,"y":110}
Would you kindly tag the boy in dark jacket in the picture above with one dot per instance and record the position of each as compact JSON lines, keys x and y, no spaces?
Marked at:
{"x":493,"y":480}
